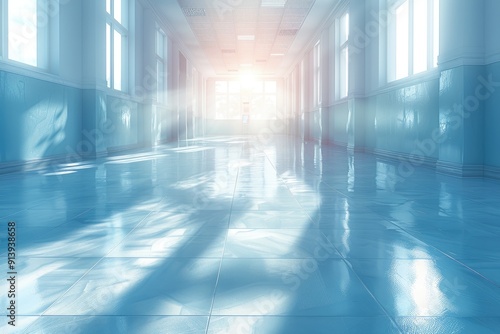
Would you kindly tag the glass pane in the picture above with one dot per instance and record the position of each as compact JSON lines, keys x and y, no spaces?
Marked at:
{"x":270,"y":87}
{"x":221,"y":106}
{"x":118,"y":10}
{"x":117,"y":61}
{"x":108,"y":6}
{"x":22,"y":31}
{"x":234,"y":87}
{"x":344,"y":69}
{"x":159,"y":43}
{"x":344,"y":28}
{"x":318,"y":55}
{"x":420,"y":43}
{"x":234,"y":107}
{"x":258,"y":87}
{"x":159,"y":81}
{"x":221,"y":86}
{"x":436,"y":34}
{"x":108,"y":55}
{"x":402,"y":34}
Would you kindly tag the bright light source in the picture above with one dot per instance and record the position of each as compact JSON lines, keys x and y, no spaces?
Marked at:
{"x":277,"y":54}
{"x":247,"y":80}
{"x":246,"y":37}
{"x":22,"y":31}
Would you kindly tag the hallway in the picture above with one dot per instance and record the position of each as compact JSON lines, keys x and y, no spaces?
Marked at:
{"x":252,"y":235}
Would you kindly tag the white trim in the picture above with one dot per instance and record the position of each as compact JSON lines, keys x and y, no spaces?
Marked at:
{"x":36,"y":73}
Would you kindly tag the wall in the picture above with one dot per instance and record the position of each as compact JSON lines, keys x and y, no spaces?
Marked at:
{"x":445,"y":118}
{"x":37,"y":119}
{"x":492,"y":103}
{"x":66,"y":113}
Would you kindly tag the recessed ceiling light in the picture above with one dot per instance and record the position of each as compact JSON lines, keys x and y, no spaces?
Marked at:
{"x":189,"y":11}
{"x":273,"y":3}
{"x":246,"y":37}
{"x":288,"y":32}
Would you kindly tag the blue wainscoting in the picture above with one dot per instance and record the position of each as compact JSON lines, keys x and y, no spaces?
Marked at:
{"x":38,"y":119}
{"x":492,"y":121}
{"x":42,"y":122}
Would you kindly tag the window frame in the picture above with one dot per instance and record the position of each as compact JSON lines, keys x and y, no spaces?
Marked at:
{"x":121,"y":28}
{"x":342,"y":55}
{"x":161,"y":60}
{"x":317,"y":74}
{"x":432,"y":41}
{"x":245,"y":95}
{"x":43,"y":36}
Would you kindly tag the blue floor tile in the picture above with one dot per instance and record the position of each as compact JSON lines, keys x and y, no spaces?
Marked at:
{"x":298,"y":287}
{"x":300,"y":325}
{"x":220,"y":234}
{"x":438,"y":287}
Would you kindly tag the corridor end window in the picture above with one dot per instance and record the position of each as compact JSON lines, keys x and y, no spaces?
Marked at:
{"x":232,"y":95}
{"x":27,"y":31}
{"x":413,"y":37}
{"x":343,"y":56}
{"x":317,"y":73}
{"x":160,"y":65}
{"x":116,"y":44}
{"x":227,"y":100}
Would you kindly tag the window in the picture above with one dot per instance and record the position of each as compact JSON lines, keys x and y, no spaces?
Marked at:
{"x":227,"y":100}
{"x":26,"y":28}
{"x":413,"y":37}
{"x":317,"y":73}
{"x":260,"y":96}
{"x":263,"y":100}
{"x":343,"y":56}
{"x":160,"y":65}
{"x":116,"y":44}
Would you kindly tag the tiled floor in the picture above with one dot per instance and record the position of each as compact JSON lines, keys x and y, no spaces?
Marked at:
{"x":231,"y":235}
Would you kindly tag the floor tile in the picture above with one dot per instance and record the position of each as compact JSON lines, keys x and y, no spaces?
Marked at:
{"x":299,"y":287}
{"x":224,"y":234}
{"x":300,"y":325}
{"x":437,"y":287}
{"x":119,"y":324}
{"x":270,"y":219}
{"x":278,"y":243}
{"x":376,"y":244}
{"x":446,"y":325}
{"x":180,"y":243}
{"x":40,"y":281}
{"x":142,"y":286}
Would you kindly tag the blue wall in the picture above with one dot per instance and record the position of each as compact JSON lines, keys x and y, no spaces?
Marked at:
{"x":446,"y":117}
{"x":42,"y":120}
{"x":397,"y":121}
{"x":492,"y":122}
{"x":38,"y":119}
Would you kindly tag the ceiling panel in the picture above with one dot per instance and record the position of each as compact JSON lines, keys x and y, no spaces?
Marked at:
{"x":271,"y":26}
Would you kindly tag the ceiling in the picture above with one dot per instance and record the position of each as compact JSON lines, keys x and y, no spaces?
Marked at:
{"x":234,"y":37}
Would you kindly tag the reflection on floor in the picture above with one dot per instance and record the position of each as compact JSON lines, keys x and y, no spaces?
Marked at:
{"x":231,"y":235}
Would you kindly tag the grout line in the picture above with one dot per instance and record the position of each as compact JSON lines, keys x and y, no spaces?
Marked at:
{"x":223,"y":251}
